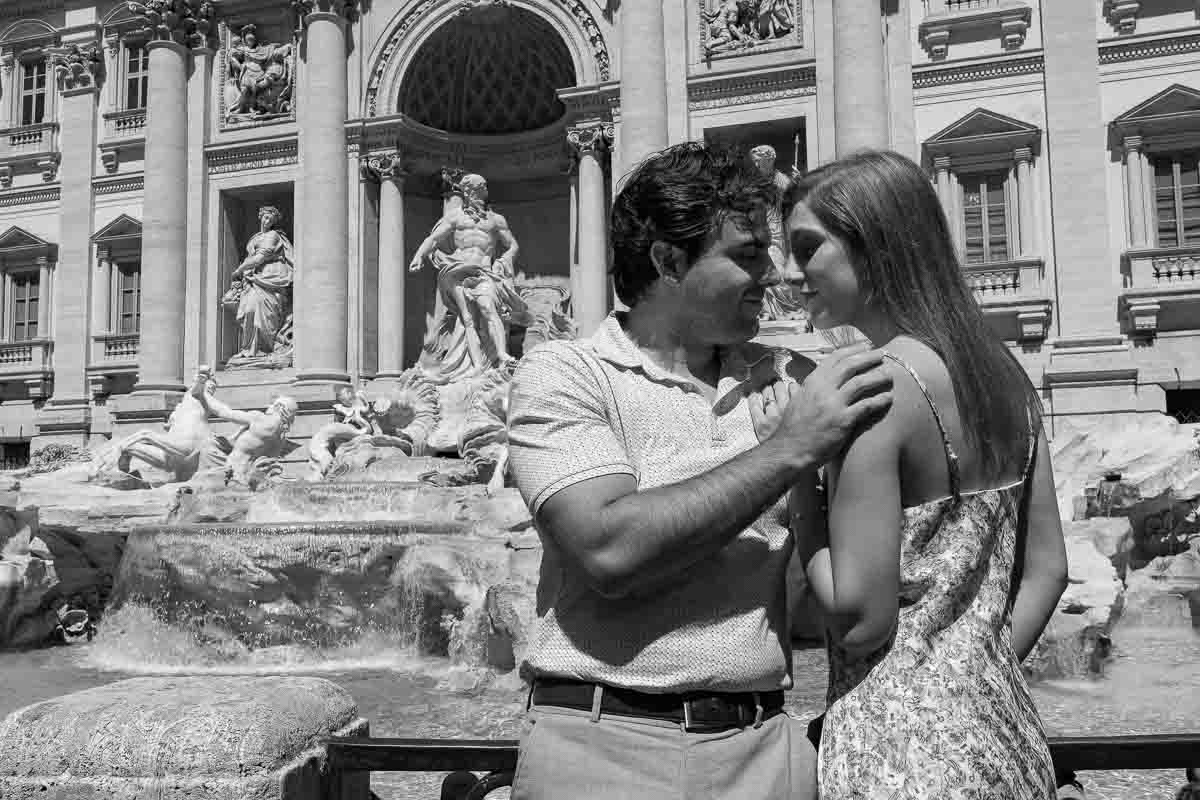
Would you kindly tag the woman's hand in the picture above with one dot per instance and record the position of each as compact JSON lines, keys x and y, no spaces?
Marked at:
{"x":766,"y":407}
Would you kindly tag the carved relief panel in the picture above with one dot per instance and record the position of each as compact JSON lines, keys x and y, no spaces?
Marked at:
{"x":258,"y":74}
{"x":738,"y":27}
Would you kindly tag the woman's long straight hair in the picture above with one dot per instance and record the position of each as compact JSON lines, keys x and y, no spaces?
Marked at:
{"x":884,"y":208}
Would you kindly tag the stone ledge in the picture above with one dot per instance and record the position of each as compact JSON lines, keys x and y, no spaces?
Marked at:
{"x":176,"y":738}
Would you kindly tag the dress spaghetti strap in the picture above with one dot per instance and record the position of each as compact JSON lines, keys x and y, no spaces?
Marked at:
{"x":951,"y":456}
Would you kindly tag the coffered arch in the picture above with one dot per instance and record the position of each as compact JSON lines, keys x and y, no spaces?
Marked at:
{"x":419,"y":20}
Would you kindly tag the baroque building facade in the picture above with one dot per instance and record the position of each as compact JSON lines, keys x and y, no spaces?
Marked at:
{"x":241,"y":183}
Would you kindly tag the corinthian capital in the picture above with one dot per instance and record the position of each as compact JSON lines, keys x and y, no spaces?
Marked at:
{"x":343,"y":8}
{"x":78,"y":67}
{"x":591,"y":138}
{"x":385,"y":167}
{"x":191,"y":23}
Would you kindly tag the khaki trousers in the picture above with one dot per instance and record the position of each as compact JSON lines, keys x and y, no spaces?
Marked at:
{"x":566,"y":756}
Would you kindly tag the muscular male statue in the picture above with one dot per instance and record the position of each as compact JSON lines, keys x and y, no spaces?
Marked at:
{"x":475,"y":283}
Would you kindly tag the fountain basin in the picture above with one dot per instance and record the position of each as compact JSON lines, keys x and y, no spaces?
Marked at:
{"x":181,"y":738}
{"x":317,"y":585}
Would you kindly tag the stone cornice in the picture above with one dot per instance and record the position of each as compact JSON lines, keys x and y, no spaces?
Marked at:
{"x":124,"y":183}
{"x":1118,"y":50}
{"x":775,"y":83}
{"x":21,"y":197}
{"x":943,"y":74}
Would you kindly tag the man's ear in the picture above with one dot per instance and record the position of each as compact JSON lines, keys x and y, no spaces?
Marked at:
{"x":668,"y":260}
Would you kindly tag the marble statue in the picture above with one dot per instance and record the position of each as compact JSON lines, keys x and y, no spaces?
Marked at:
{"x":474,"y":252}
{"x":261,"y":291}
{"x":176,"y":449}
{"x":739,"y":24}
{"x":366,"y":429}
{"x":260,"y":77}
{"x":778,"y":303}
{"x":252,"y":455}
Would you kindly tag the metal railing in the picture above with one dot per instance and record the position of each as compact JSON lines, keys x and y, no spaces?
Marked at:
{"x":497,"y":758}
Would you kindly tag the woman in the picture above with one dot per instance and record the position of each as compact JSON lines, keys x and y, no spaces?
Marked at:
{"x":262,"y":287}
{"x":944,"y":556}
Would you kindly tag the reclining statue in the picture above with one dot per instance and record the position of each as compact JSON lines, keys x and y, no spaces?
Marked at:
{"x":174,"y":450}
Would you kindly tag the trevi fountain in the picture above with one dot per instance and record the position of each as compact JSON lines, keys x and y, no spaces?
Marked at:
{"x":387,"y":555}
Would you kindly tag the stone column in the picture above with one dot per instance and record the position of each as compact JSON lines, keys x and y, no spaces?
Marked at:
{"x":1025,"y":217}
{"x":572,"y":170}
{"x":643,"y":81}
{"x":1135,"y":182}
{"x":79,"y":68}
{"x":860,"y":109}
{"x":591,"y":275}
{"x":164,"y":225}
{"x":941,"y":167}
{"x":101,"y":292}
{"x":393,"y":267}
{"x":322,"y":284}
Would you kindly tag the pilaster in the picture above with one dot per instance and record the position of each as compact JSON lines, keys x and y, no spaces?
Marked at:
{"x":79,"y":70}
{"x":590,"y":276}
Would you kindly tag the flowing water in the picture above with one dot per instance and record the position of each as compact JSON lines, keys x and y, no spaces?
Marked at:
{"x":1151,"y":685}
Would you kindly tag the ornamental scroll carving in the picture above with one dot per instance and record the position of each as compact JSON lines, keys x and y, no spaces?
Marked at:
{"x":191,"y":23}
{"x":79,"y":67}
{"x":385,"y":167}
{"x":591,"y":138}
{"x":734,"y":25}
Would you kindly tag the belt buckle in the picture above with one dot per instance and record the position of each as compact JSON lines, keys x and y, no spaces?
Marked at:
{"x":687,"y":715}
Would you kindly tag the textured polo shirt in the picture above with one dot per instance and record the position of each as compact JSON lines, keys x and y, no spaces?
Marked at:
{"x":599,"y":406}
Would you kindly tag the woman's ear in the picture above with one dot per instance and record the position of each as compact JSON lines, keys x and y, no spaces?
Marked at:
{"x":668,"y":260}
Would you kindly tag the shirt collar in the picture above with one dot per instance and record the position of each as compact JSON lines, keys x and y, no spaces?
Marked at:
{"x":745,"y":368}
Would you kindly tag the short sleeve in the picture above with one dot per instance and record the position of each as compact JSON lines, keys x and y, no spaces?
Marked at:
{"x":559,"y":431}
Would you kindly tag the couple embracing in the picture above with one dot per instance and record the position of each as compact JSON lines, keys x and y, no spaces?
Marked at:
{"x":673,"y":467}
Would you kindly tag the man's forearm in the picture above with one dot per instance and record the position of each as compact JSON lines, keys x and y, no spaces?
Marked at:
{"x":654,"y":535}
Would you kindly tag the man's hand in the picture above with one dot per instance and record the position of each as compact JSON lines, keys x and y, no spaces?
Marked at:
{"x":415,"y":264}
{"x":766,"y":408}
{"x":847,"y":389}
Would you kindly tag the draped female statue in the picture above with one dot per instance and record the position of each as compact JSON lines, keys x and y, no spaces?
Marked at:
{"x":262,"y":293}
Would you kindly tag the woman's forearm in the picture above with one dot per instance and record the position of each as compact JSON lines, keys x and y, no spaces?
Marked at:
{"x":1037,"y":597}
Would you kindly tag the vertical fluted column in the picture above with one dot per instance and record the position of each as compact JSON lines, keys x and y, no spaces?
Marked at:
{"x":860,"y":108}
{"x":1024,"y":159}
{"x":392,"y":272}
{"x":8,"y":89}
{"x":591,"y":278}
{"x":643,"y":81}
{"x":1135,"y":180}
{"x":572,"y":170}
{"x":323,"y":275}
{"x":164,"y":222}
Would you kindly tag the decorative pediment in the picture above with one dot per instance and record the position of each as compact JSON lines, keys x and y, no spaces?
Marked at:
{"x":27,"y":31}
{"x":1174,"y":109}
{"x":19,"y":245}
{"x":983,"y":132}
{"x":123,"y":227}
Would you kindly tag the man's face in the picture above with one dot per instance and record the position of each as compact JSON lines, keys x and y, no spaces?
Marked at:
{"x":765,"y":164}
{"x":722,"y":290}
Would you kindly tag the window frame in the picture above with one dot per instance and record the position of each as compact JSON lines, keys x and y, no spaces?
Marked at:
{"x":25,"y":94}
{"x":121,"y":268}
{"x":1007,"y":186}
{"x":33,"y":278}
{"x":1175,"y":157}
{"x":129,"y":46}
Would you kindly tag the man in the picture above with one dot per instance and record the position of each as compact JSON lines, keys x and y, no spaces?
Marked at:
{"x":263,"y":434}
{"x":655,"y":458}
{"x":475,"y":284}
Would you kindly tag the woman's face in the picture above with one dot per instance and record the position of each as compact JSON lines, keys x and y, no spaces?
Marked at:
{"x":828,"y":281}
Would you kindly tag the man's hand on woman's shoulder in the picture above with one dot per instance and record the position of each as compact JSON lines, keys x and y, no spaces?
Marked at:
{"x":818,"y":416}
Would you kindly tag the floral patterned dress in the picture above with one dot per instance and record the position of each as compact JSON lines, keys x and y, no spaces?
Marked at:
{"x":942,"y":711}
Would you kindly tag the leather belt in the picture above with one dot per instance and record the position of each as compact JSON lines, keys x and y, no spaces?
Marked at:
{"x":697,"y":711}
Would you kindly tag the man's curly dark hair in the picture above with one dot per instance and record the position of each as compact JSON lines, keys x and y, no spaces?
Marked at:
{"x":681,"y":196}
